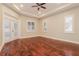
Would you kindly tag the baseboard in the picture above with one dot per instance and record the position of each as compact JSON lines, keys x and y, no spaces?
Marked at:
{"x":61,"y":39}
{"x":1,"y":46}
{"x":46,"y":37}
{"x":52,"y":38}
{"x":28,"y":36}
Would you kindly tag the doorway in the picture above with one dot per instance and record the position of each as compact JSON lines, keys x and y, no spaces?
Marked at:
{"x":11,"y":28}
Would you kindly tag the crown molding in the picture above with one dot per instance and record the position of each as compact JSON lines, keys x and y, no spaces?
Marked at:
{"x":52,"y":12}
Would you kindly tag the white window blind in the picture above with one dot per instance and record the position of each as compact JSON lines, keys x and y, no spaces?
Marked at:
{"x":31,"y":26}
{"x":69,"y":24}
{"x":45,"y":26}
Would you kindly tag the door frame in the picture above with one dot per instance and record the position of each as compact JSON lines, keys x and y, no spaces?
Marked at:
{"x":19,"y":24}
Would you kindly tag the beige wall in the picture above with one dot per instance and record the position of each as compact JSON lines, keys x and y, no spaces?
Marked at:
{"x":9,"y":12}
{"x":24,"y":32}
{"x":0,"y":25}
{"x":56,"y":25}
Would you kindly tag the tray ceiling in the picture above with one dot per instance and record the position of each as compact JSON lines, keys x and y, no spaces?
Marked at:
{"x":27,"y":9}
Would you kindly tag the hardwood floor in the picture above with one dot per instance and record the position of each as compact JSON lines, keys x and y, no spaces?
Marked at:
{"x":39,"y":46}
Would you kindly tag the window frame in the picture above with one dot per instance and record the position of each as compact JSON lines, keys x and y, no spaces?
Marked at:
{"x":45,"y":26}
{"x":30,"y":29}
{"x":72,"y":25}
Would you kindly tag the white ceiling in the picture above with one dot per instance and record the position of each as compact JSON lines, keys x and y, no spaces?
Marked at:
{"x":28,"y":10}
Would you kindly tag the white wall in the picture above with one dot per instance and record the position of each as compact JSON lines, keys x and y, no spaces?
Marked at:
{"x":56,"y":25}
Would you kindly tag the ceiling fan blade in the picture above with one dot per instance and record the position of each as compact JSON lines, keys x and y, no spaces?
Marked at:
{"x":43,"y":7}
{"x":38,"y":9}
{"x":34,"y":6}
{"x":38,"y":4}
{"x":42,"y":3}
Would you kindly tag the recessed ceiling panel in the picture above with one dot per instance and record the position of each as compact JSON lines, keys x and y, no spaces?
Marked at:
{"x":26,"y":8}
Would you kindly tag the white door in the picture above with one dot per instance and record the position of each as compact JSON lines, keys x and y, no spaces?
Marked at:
{"x":15,"y":29}
{"x":10,"y":29}
{"x":6,"y":29}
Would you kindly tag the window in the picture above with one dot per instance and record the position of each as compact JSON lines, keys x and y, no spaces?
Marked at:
{"x":68,"y":24}
{"x":45,"y":27}
{"x":31,"y":26}
{"x":6,"y":28}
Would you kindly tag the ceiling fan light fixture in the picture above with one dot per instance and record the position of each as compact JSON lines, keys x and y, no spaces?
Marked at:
{"x":39,"y":12}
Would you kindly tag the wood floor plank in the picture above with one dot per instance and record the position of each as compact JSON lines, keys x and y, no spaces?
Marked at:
{"x":39,"y":46}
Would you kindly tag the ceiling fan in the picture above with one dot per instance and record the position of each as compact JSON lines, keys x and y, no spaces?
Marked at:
{"x":39,"y":5}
